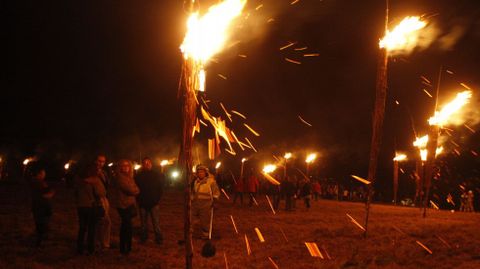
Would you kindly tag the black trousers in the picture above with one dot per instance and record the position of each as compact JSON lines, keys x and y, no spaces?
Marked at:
{"x":86,"y":226}
{"x":237,"y":195}
{"x":41,"y":216}
{"x":126,"y":230}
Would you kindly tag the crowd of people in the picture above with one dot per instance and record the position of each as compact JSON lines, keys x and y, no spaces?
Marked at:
{"x":96,"y":193}
{"x":100,"y":192}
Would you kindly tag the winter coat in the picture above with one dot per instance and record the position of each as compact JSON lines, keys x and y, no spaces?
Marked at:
{"x":89,"y":191}
{"x":123,"y":191}
{"x":252,"y":184}
{"x":205,"y":189}
{"x":150,"y":184}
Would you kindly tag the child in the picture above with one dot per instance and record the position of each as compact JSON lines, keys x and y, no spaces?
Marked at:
{"x":41,"y":207}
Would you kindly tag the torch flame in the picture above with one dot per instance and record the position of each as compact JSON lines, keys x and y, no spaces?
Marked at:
{"x":311,"y":157}
{"x":269,"y":168}
{"x":404,"y":35}
{"x":443,"y":117}
{"x":421,"y":142}
{"x":400,"y":157}
{"x":287,"y":155}
{"x":207,"y":34}
{"x":244,"y":160}
{"x":218,"y":165}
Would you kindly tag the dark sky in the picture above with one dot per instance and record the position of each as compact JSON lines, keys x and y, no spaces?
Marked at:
{"x":104,"y":74}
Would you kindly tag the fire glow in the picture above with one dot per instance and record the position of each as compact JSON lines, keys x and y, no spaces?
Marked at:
{"x":446,"y":115}
{"x":405,"y":35}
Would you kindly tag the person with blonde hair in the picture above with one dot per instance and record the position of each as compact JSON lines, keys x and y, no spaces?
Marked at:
{"x":123,"y":192}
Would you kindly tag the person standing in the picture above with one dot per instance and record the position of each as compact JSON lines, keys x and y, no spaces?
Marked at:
{"x":252,"y":186}
{"x":104,"y":223}
{"x":317,"y":189}
{"x":123,"y":192}
{"x":150,"y":184}
{"x":205,"y":192}
{"x":41,"y":203}
{"x":306,"y":192}
{"x":88,"y":193}
{"x":239,"y":189}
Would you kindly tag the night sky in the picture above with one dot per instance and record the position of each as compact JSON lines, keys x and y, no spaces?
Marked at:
{"x":87,"y":75}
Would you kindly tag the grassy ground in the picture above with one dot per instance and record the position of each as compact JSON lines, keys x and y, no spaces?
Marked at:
{"x":454,"y":238}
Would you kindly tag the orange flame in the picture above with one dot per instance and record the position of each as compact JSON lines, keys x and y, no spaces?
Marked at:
{"x":445,"y":116}
{"x":405,"y":35}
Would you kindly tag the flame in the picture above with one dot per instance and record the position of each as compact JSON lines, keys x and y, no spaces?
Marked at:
{"x":269,"y":168}
{"x":423,"y":154}
{"x":202,"y":77}
{"x":444,"y":116}
{"x":27,"y":160}
{"x":311,"y":157}
{"x":287,"y":155}
{"x":164,"y":162}
{"x":404,"y":35}
{"x":207,"y":34}
{"x":244,"y":160}
{"x":137,"y":166}
{"x":218,"y":165}
{"x":67,"y":166}
{"x":421,"y":142}
{"x":400,"y":157}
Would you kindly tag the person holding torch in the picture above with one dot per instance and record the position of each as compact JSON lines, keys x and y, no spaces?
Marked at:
{"x":205,"y":192}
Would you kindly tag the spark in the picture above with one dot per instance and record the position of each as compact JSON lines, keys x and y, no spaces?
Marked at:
{"x":239,"y":114}
{"x":234,"y":225}
{"x":288,"y":45}
{"x":443,"y":241}
{"x":424,"y":247}
{"x":465,"y":86}
{"x":259,"y":7}
{"x":242,"y":55}
{"x":250,"y":143}
{"x":294,"y":2}
{"x":292,"y":61}
{"x":313,"y":249}
{"x":203,"y":123}
{"x":225,"y":193}
{"x":425,"y":79}
{"x":271,"y":20}
{"x":469,"y":128}
{"x":240,"y":144}
{"x":304,"y":121}
{"x":284,"y":235}
{"x":434,"y":205}
{"x":247,"y":244}
{"x":474,"y":153}
{"x":254,"y":200}
{"x":396,"y":102}
{"x":355,"y":222}
{"x":429,"y":95}
{"x":229,"y":116}
{"x":450,"y":72}
{"x":259,"y":235}
{"x":326,"y":253}
{"x":251,"y":130}
{"x":273,"y":263}
{"x":225,"y":258}
{"x":361,"y":179}
{"x":311,"y":55}
{"x":270,"y":204}
{"x":222,"y":76}
{"x":300,"y":49}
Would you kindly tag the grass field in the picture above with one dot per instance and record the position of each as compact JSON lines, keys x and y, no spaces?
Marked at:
{"x":453,"y":238}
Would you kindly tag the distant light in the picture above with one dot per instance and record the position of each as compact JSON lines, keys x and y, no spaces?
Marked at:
{"x":287,"y":155}
{"x":27,"y":161}
{"x":311,"y":157}
{"x":67,"y":166}
{"x":244,"y":160}
{"x":218,"y":165}
{"x":175,"y":174}
{"x":164,"y":162}
{"x":137,"y":166}
{"x":110,"y":164}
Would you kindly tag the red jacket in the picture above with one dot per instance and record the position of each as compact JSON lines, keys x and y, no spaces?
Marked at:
{"x":239,"y":186}
{"x":252,"y":184}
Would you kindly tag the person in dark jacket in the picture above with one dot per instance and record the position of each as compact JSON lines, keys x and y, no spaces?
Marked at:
{"x":306,"y":192}
{"x":41,"y":205}
{"x":150,"y":183}
{"x":288,"y":189}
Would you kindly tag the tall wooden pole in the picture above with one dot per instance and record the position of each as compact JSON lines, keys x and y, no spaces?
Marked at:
{"x":377,"y":122}
{"x":395,"y":181}
{"x":431,"y":151}
{"x":189,"y":108}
